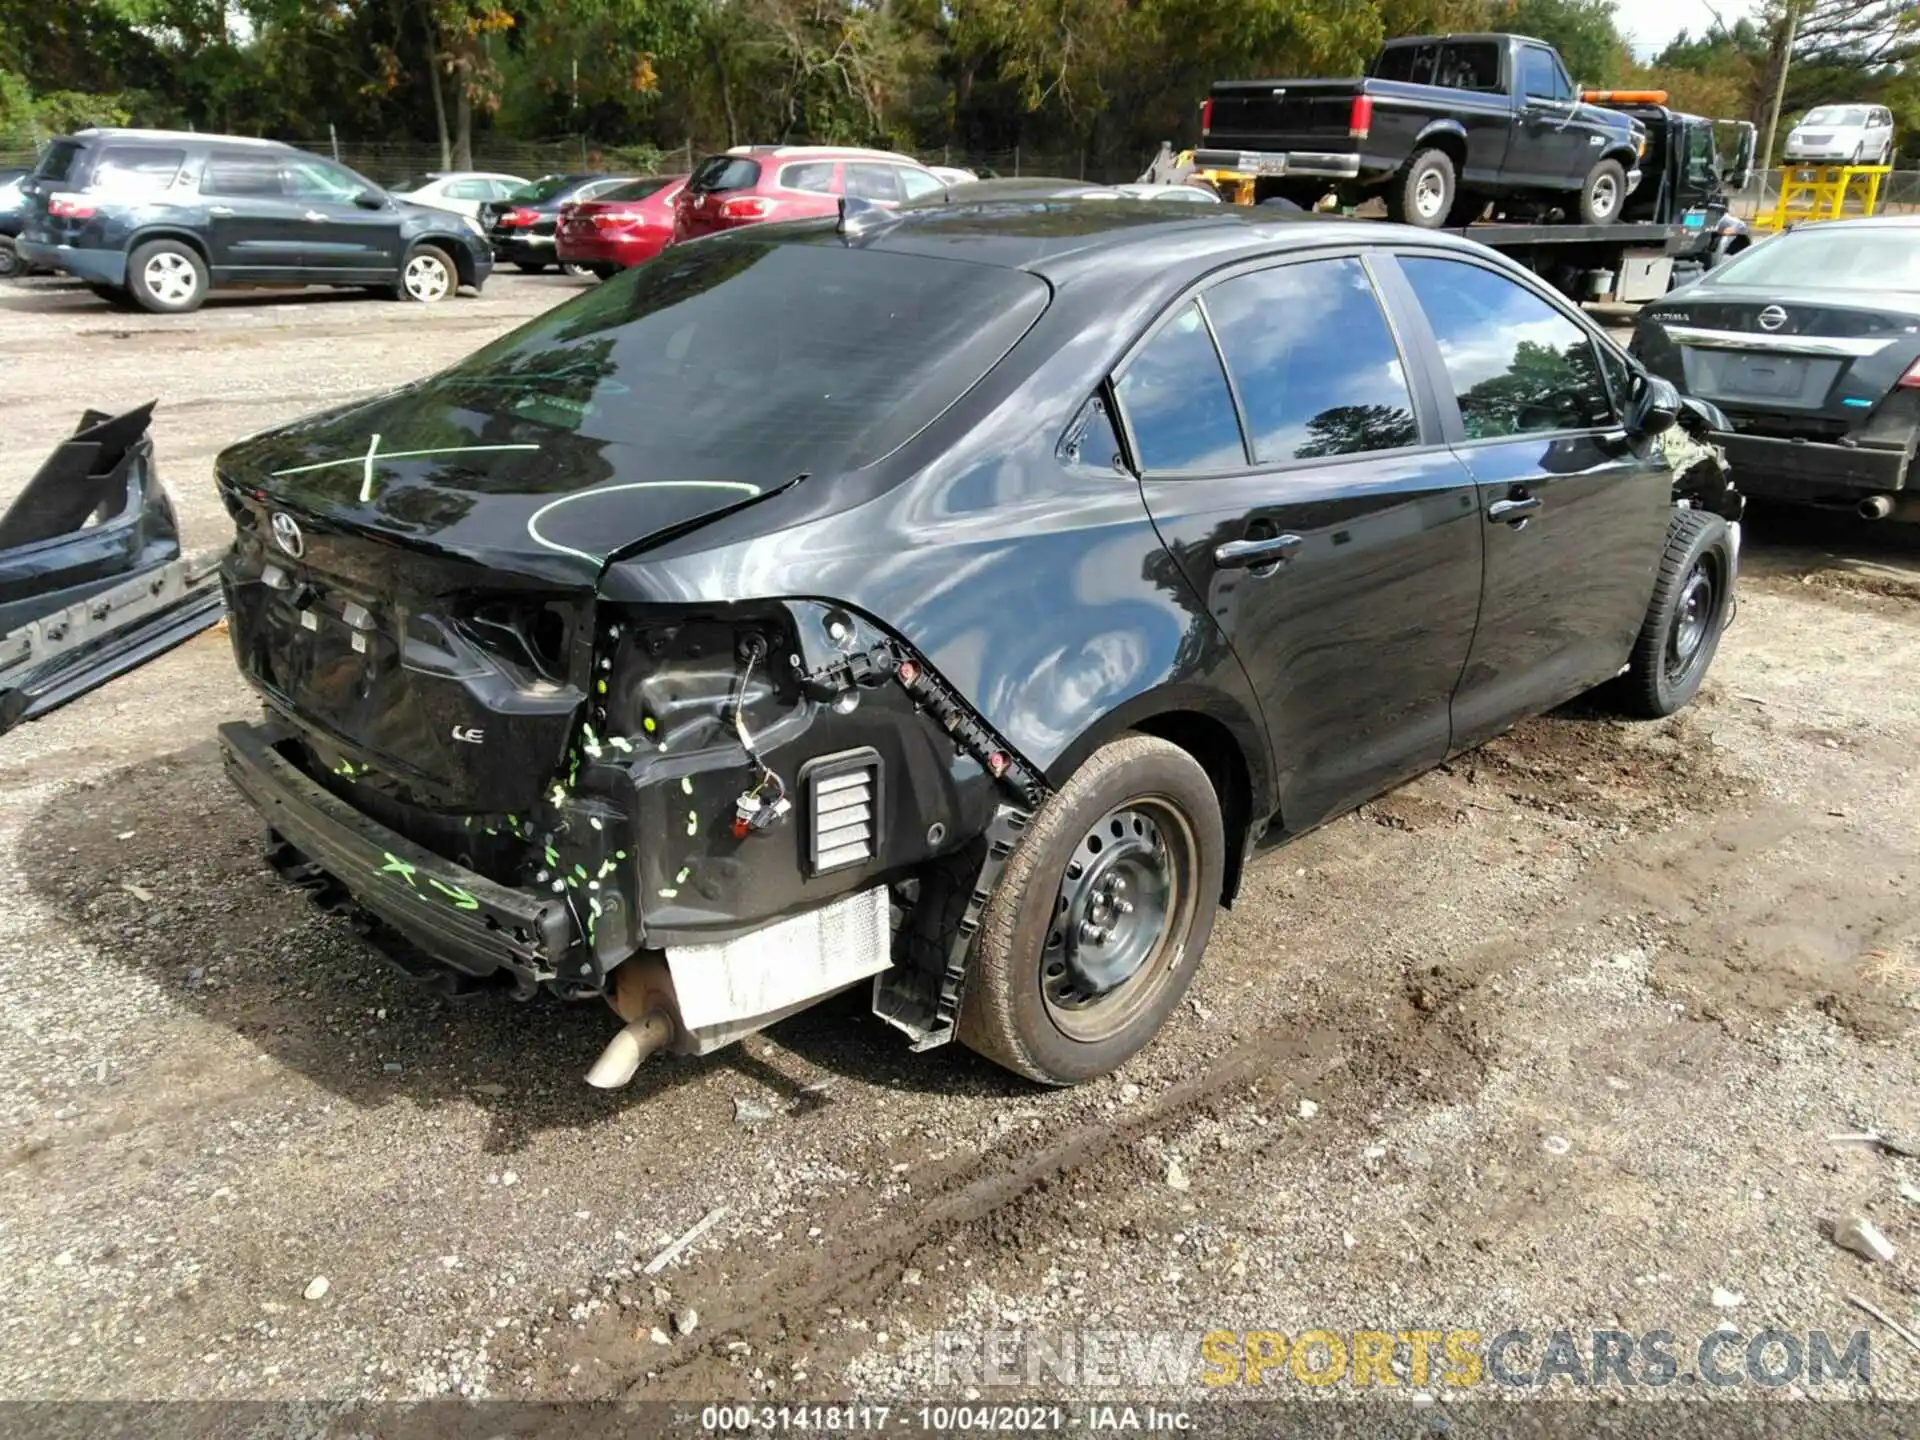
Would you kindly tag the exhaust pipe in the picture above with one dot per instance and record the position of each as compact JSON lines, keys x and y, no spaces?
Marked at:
{"x":1875,"y":507}
{"x":626,"y":1050}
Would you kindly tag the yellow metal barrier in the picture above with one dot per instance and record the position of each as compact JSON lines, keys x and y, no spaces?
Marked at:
{"x":1823,"y":192}
{"x":1234,"y":186}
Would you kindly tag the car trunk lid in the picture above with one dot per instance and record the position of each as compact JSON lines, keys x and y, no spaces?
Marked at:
{"x":1264,"y":115}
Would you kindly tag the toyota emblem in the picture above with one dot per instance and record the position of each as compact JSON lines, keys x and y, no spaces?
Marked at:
{"x":286,"y":534}
{"x":1772,"y":318}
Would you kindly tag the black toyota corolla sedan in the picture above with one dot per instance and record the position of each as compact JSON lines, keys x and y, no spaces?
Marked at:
{"x":946,"y":600}
{"x":1810,"y":344}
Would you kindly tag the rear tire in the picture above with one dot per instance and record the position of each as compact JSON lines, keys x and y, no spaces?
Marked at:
{"x":529,"y":267}
{"x":1692,"y":600}
{"x":167,"y":277}
{"x":1603,"y":194}
{"x":1097,"y":924}
{"x":11,"y":265}
{"x":579,"y":272}
{"x":1422,"y":193}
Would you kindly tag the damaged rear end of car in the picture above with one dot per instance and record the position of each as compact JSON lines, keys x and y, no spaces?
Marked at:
{"x":516,"y":766}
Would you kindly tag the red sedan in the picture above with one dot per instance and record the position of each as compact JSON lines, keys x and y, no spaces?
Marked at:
{"x":620,"y":228}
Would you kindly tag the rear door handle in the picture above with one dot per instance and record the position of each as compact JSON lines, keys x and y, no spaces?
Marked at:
{"x":220,"y":212}
{"x":1513,"y":512}
{"x":313,"y":215}
{"x":1241,"y":554}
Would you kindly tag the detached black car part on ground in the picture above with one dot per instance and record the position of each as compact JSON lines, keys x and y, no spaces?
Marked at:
{"x":913,"y":600}
{"x":1810,"y":343}
{"x":92,"y":581}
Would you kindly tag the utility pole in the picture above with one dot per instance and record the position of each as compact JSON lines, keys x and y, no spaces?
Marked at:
{"x":1780,"y":83}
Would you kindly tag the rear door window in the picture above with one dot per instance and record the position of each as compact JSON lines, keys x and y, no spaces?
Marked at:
{"x":320,"y":181}
{"x":136,"y":169}
{"x":1518,"y":366}
{"x":917,"y":183}
{"x":867,"y":180}
{"x":1312,"y":359}
{"x":1175,"y":398}
{"x":241,"y":176}
{"x":815,"y":176}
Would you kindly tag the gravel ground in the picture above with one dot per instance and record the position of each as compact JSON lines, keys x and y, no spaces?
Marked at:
{"x":1551,"y":1039}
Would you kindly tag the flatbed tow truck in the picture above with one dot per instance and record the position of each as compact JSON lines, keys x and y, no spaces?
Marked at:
{"x":1676,"y":224}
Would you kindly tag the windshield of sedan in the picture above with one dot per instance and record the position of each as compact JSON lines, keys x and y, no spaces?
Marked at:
{"x":755,"y":360}
{"x":1844,"y":255}
{"x":1836,"y":115}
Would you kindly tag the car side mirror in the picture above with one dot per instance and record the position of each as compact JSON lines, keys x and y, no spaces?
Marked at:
{"x":1654,"y":407}
{"x":370,"y":199}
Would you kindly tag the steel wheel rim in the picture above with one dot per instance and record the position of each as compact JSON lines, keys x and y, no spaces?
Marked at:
{"x":1605,"y":195}
{"x":169,"y":278}
{"x":1692,"y":619}
{"x":426,"y":278}
{"x":1428,"y":193}
{"x":1120,"y":919}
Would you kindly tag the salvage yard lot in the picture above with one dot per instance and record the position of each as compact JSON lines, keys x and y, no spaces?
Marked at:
{"x":1554,"y":1038}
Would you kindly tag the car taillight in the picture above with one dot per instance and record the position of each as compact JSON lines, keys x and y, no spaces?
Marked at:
{"x":1910,"y":380}
{"x":1206,"y":115}
{"x":519,"y":216}
{"x":66,"y":206}
{"x":743,"y":207}
{"x":613,"y":219}
{"x":1360,"y":120}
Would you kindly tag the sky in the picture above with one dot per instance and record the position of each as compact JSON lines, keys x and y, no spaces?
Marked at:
{"x":1650,"y":24}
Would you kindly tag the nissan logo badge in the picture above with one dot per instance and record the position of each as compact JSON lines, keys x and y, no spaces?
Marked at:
{"x":286,"y":534}
{"x":1772,"y":318}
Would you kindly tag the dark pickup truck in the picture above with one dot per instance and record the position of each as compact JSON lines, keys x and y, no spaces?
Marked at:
{"x":1439,"y":126}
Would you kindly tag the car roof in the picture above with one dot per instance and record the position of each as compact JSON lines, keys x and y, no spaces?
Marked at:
{"x":821,"y":152}
{"x":1068,"y":240}
{"x":189,"y":137}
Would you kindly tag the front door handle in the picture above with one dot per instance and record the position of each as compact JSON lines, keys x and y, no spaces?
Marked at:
{"x":220,"y":212}
{"x":1513,"y":512}
{"x":1240,"y":554}
{"x":315,"y":215}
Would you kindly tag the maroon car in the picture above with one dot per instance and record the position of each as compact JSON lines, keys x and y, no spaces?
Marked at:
{"x":620,"y":227}
{"x":752,"y":183}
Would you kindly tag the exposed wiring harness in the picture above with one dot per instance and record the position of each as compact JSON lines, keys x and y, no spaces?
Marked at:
{"x":767,"y":801}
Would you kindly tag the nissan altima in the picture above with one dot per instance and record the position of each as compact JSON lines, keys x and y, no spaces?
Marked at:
{"x":1810,"y":344}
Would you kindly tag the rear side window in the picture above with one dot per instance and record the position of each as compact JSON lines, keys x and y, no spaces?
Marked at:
{"x":1174,"y":395}
{"x":1470,"y":65}
{"x":240,"y":175}
{"x":136,"y":169}
{"x":1518,"y":366}
{"x":866,"y":181}
{"x":1313,"y":361}
{"x":724,"y":172}
{"x":1412,"y":63}
{"x":61,"y":162}
{"x":815,"y":175}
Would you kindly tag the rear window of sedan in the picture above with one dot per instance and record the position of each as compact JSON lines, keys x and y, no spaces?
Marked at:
{"x":756,"y":360}
{"x":536,"y":192}
{"x":1842,"y":255}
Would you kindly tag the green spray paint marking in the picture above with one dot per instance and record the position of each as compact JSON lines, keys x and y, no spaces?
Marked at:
{"x":681,"y":878}
{"x":620,"y":743}
{"x":668,"y":893}
{"x":460,"y":898}
{"x":686,"y":784}
{"x":396,"y":866}
{"x":648,"y":725}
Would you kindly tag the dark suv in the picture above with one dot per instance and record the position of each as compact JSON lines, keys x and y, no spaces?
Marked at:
{"x":160,"y":218}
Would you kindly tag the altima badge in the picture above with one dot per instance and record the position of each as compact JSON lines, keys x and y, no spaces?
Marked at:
{"x":286,"y":534}
{"x":470,"y":734}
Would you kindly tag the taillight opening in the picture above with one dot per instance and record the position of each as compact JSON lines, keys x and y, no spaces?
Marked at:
{"x":1360,"y":119}
{"x":66,"y":206}
{"x":1910,"y":380}
{"x":519,"y":217}
{"x":1206,"y":115}
{"x":743,"y":207}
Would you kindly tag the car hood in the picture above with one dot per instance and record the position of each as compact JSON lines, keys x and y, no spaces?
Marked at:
{"x":418,"y":470}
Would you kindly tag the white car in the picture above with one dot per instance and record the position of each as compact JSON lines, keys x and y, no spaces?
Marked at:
{"x":1843,"y":135}
{"x":462,"y":191}
{"x":952,"y":175}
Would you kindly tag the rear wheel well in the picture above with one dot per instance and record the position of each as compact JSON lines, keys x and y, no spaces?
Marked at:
{"x":1448,"y":144}
{"x":1212,"y":744}
{"x":185,"y":238}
